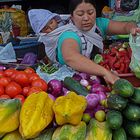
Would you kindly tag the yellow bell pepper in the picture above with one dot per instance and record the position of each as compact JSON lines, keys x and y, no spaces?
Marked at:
{"x":69,"y":108}
{"x":36,"y":114}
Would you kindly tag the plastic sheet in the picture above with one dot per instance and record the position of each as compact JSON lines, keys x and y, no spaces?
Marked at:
{"x":7,"y":53}
{"x":60,"y":74}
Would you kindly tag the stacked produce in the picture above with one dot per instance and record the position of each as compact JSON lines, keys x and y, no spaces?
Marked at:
{"x":9,"y":114}
{"x":20,"y":83}
{"x":124,"y":114}
{"x":80,"y":107}
{"x":117,"y":58}
{"x":58,"y":110}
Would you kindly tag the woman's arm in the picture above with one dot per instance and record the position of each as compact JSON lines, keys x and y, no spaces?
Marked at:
{"x":118,"y":27}
{"x":73,"y":58}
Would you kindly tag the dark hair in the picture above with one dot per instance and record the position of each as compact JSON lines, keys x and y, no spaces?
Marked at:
{"x":74,"y":3}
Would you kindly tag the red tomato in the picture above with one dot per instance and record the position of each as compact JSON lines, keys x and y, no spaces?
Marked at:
{"x":33,"y":77}
{"x":4,"y":81}
{"x":1,"y":73}
{"x":29,"y":70}
{"x":40,"y":83}
{"x":22,"y":78}
{"x":14,"y":75}
{"x":34,"y":90}
{"x":20,"y":97}
{"x":25,"y":91}
{"x":1,"y":90}
{"x":4,"y":96}
{"x":9,"y":72}
{"x":13,"y":89}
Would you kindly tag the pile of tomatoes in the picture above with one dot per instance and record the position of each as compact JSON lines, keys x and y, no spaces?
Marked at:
{"x":20,"y":84}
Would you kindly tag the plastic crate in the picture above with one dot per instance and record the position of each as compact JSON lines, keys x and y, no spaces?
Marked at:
{"x":37,"y":48}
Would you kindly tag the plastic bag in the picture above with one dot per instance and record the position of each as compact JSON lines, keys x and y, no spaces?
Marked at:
{"x":128,"y":5}
{"x":7,"y":53}
{"x":134,"y":42}
{"x":60,"y":74}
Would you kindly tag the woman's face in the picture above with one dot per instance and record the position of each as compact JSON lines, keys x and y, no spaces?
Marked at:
{"x":52,"y":24}
{"x":84,"y":16}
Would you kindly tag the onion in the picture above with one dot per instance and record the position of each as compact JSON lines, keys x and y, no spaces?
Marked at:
{"x":52,"y":97}
{"x":98,"y":107}
{"x":2,"y":68}
{"x":90,"y":112}
{"x":65,"y":91}
{"x":84,"y":76}
{"x":92,"y":100}
{"x":102,"y":95}
{"x":77,"y":77}
{"x":96,"y":88}
{"x":94,"y":80}
{"x":84,"y":82}
{"x":55,"y":124}
{"x":55,"y":87}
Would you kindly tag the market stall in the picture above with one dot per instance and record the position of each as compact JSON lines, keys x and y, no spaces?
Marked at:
{"x":40,"y":100}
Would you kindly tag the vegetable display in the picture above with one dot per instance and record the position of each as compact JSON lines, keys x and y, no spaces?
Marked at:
{"x":116,"y":58}
{"x":29,"y":58}
{"x":48,"y":68}
{"x":20,"y":83}
{"x":55,"y":87}
{"x":75,"y":86}
{"x":78,"y":107}
{"x":69,"y":108}
{"x":36,"y":114}
{"x":9,"y":115}
{"x":70,"y":132}
{"x":98,"y":131}
{"x":124,"y":116}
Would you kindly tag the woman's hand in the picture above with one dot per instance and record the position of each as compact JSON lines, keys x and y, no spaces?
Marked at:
{"x":135,"y":30}
{"x":110,"y":77}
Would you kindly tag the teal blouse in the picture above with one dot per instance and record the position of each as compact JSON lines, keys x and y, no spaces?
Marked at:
{"x":102,"y":24}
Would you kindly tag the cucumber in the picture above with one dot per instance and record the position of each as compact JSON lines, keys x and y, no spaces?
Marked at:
{"x":75,"y":86}
{"x":119,"y":134}
{"x":133,"y":128}
{"x":114,"y":119}
{"x":116,"y":102}
{"x":130,"y":138}
{"x":135,"y":98}
{"x":132,"y":112}
{"x":123,"y":87}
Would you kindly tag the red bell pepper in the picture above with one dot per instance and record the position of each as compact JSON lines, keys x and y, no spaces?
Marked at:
{"x":122,"y":53}
{"x":126,"y":70}
{"x":121,"y":59}
{"x":122,"y":67}
{"x":112,"y":60}
{"x":117,"y":65}
{"x":126,"y":59}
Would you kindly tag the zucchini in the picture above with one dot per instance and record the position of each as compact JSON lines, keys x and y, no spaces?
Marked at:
{"x":75,"y":86}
